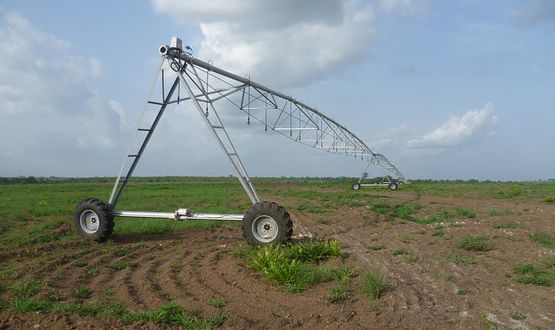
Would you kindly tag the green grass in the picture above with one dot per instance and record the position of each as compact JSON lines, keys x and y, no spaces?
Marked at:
{"x":120,"y":252}
{"x":336,"y":294}
{"x":542,"y":238}
{"x":498,"y":213}
{"x":549,"y":261}
{"x":47,"y":208}
{"x":339,"y":292}
{"x":460,"y":259}
{"x":466,"y":213}
{"x":176,"y":265}
{"x":475,"y":243}
{"x":511,"y":192}
{"x":83,"y":293}
{"x":549,"y":199}
{"x":463,"y":291}
{"x":217,"y":302}
{"x":438,"y":232}
{"x":120,"y":265}
{"x":405,"y":211}
{"x":295,"y":266}
{"x":506,"y":224}
{"x":403,"y":251}
{"x":24,"y":300}
{"x":313,"y":208}
{"x":79,"y":263}
{"x":170,"y":314}
{"x":373,"y":285}
{"x":488,"y":325}
{"x":26,"y":289}
{"x":515,"y":315}
{"x":376,"y":247}
{"x":531,"y":274}
{"x":382,"y":208}
{"x":406,"y":239}
{"x":441,"y":217}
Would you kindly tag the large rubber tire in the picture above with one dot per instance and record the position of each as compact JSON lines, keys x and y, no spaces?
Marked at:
{"x":393,"y":185}
{"x":355,"y":186}
{"x":94,"y":220}
{"x":267,"y":223}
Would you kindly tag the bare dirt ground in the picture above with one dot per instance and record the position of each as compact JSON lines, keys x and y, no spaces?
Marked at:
{"x":427,"y":291}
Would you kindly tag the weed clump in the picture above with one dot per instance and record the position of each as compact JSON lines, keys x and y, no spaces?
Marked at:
{"x":404,"y":211}
{"x":543,"y":239}
{"x":462,"y":212}
{"x":531,"y":274}
{"x":463,"y":291}
{"x":171,"y":314}
{"x":549,"y":199}
{"x":460,"y":259}
{"x":296,"y":265}
{"x":508,"y":225}
{"x":514,"y":191}
{"x":373,"y":285}
{"x":515,"y":315}
{"x":443,"y":216}
{"x":475,"y":243}
{"x":83,"y":293}
{"x":402,"y":251}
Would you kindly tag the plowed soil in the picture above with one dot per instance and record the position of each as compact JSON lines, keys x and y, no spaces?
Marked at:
{"x":427,"y":291}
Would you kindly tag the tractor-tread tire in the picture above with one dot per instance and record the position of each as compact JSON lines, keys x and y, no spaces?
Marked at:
{"x":277,"y":213}
{"x":105,"y":218}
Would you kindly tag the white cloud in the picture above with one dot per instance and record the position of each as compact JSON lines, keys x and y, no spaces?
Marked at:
{"x":51,"y":116}
{"x":458,"y":130}
{"x":293,"y":42}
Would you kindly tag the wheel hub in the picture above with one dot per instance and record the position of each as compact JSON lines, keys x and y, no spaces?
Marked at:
{"x":89,"y":221}
{"x":264,"y":228}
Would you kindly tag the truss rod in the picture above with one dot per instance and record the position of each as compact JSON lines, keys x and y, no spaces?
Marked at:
{"x":179,"y":54}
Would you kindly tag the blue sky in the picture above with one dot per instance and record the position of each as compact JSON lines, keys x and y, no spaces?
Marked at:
{"x":445,"y":89}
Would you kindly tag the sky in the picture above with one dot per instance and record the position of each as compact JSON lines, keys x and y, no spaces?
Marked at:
{"x":461,"y":89}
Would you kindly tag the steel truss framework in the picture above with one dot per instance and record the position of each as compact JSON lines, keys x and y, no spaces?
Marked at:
{"x":182,"y":77}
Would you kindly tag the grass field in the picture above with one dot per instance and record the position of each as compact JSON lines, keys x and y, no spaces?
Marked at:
{"x":445,"y":243}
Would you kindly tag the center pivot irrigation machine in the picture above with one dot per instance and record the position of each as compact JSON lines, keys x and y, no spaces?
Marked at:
{"x":182,"y":77}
